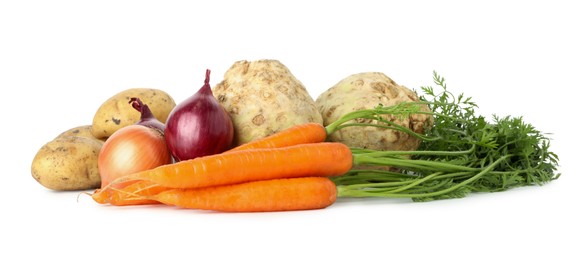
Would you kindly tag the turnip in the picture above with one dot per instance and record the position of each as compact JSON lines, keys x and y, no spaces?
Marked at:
{"x":263,"y":97}
{"x":365,"y":91}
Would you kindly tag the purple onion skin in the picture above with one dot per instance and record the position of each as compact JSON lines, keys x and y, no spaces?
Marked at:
{"x":147,"y":118}
{"x":198,"y":126}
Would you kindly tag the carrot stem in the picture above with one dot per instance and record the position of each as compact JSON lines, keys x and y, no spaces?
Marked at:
{"x":360,"y":190}
{"x":401,"y":110}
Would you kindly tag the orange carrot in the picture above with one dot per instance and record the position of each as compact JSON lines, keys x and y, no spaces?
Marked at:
{"x":304,"y":160}
{"x":256,"y":196}
{"x":120,"y":197}
{"x":298,"y":134}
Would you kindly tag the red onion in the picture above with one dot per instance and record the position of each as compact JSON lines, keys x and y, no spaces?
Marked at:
{"x":147,"y":118}
{"x":198,"y":126}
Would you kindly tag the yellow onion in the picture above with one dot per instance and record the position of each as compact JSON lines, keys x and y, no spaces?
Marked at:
{"x":132,"y":149}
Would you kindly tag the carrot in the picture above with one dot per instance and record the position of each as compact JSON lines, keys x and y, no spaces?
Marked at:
{"x":256,"y":196}
{"x":298,"y":134}
{"x":304,"y":160}
{"x":119,"y":197}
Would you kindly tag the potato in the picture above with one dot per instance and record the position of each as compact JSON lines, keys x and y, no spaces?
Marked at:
{"x":68,"y":163}
{"x":366,"y":91}
{"x":116,"y":112}
{"x":81,"y":131}
{"x":263,"y":97}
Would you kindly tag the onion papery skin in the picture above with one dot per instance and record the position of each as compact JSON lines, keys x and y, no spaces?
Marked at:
{"x":198,"y":126}
{"x":147,"y":118}
{"x":132,"y":149}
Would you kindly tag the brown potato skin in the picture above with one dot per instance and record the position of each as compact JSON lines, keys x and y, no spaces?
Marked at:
{"x":81,"y":131}
{"x":68,"y":163}
{"x":116,"y":112}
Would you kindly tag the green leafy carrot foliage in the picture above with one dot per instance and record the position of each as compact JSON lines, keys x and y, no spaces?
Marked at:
{"x":461,"y":152}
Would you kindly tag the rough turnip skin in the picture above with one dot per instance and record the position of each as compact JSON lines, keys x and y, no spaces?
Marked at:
{"x":366,"y":91}
{"x":263,"y":97}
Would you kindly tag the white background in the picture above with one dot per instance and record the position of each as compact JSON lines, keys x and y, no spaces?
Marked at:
{"x":59,"y":60}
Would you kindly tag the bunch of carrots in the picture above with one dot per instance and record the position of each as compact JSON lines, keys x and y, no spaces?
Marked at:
{"x":285,"y":171}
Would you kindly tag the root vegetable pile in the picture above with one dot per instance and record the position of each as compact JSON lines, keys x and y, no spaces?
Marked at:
{"x":377,"y":139}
